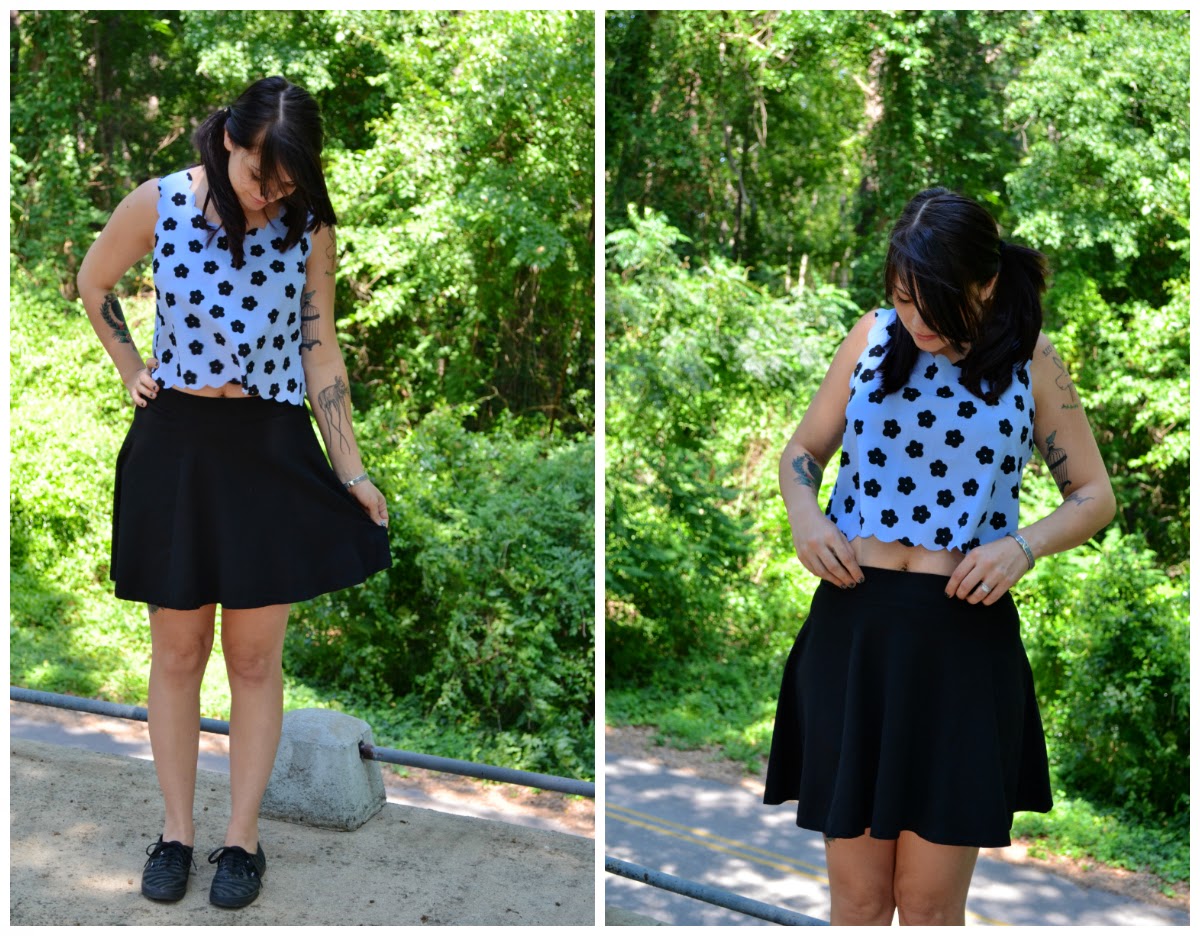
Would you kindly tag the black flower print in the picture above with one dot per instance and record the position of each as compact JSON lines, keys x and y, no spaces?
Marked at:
{"x":196,"y":347}
{"x":876,"y":351}
{"x":170,"y":224}
{"x":258,"y":277}
{"x":1024,"y":433}
{"x":304,"y":245}
{"x":199,"y":222}
{"x":219,"y":338}
{"x":248,"y":303}
{"x":966,"y":409}
{"x":945,"y":497}
{"x":269,"y":368}
{"x":277,"y":243}
{"x":954,"y":438}
{"x":925,"y":419}
{"x":970,"y":487}
{"x":169,"y":299}
{"x":195,"y":297}
{"x":277,"y":266}
{"x":249,"y":367}
{"x":871,"y":488}
{"x":292,"y":318}
{"x":998,"y":521}
{"x":274,"y":389}
{"x":849,"y":504}
{"x":292,"y":385}
{"x":921,"y":513}
{"x":257,"y":250}
{"x":216,"y":366}
{"x":1009,"y":465}
{"x":845,"y":459}
{"x":1006,"y":428}
{"x":906,"y":485}
{"x":855,"y":480}
{"x":211,"y":267}
{"x":914,"y":449}
{"x":1023,"y":376}
{"x":877,"y":457}
{"x":217,"y":311}
{"x":931,"y":371}
{"x":238,"y":326}
{"x":262,"y":340}
{"x":287,"y":362}
{"x":1015,"y":491}
{"x":945,"y":392}
{"x":225,"y":288}
{"x":273,"y":315}
{"x":962,"y":521}
{"x":868,"y":375}
{"x":290,"y":291}
{"x":222,"y":242}
{"x":244,"y":349}
{"x":191,"y":320}
{"x":195,"y":246}
{"x":910,"y":393}
{"x":858,"y":427}
{"x":181,"y":271}
{"x":277,"y":342}
{"x":876,"y":396}
{"x":937,"y":468}
{"x":985,"y":455}
{"x":944,"y":537}
{"x":179,"y":198}
{"x":189,"y":378}
{"x":888,"y":518}
{"x":167,"y":356}
{"x":1019,"y":402}
{"x":891,"y":428}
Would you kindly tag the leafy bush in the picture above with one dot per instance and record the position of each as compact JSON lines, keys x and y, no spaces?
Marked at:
{"x":486,"y":615}
{"x":1108,"y":642}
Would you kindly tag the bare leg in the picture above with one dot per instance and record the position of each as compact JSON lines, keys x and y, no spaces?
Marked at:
{"x":860,"y":880}
{"x":252,"y":640}
{"x":932,"y":881}
{"x":180,"y":643}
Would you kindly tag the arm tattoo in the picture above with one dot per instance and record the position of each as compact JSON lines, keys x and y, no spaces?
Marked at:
{"x":331,"y":253}
{"x":1056,"y":459}
{"x":1077,"y":499}
{"x":334,"y":403}
{"x":310,"y":319}
{"x":808,"y":472}
{"x":154,"y":609}
{"x":1063,"y":380}
{"x":110,"y":311}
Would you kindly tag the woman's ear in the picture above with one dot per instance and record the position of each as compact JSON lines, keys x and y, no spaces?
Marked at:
{"x":228,"y":142}
{"x":985,"y":293}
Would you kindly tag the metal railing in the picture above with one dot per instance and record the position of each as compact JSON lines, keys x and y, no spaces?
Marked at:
{"x":366,"y":751}
{"x":709,"y":894}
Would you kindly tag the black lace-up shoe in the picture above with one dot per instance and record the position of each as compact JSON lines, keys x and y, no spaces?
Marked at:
{"x":165,"y":876}
{"x":239,"y":876}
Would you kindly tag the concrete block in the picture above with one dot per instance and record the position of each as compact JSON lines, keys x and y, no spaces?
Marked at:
{"x":319,"y":779}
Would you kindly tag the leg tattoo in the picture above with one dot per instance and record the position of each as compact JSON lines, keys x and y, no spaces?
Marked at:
{"x":110,"y":311}
{"x":334,"y":403}
{"x":154,"y":609}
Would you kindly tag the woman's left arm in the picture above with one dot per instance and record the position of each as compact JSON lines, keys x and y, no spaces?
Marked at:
{"x":1064,"y":437}
{"x":325,"y":374}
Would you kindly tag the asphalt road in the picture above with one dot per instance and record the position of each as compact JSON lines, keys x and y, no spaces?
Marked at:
{"x":723,"y":836}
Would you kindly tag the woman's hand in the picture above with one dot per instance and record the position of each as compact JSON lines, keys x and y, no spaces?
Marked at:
{"x":372,"y":501}
{"x":824,"y":550}
{"x":987,"y":572}
{"x":142,"y":386}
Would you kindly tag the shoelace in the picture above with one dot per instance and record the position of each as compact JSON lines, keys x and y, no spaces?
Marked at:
{"x":169,"y":854}
{"x":235,"y":860}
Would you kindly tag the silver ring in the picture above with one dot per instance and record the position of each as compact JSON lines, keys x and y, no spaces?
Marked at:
{"x":983,"y":588}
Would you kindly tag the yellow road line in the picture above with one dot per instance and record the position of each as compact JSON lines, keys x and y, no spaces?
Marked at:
{"x":717,"y":843}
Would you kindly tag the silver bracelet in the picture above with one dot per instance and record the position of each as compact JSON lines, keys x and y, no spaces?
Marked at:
{"x":359,"y":480}
{"x":1024,"y":546}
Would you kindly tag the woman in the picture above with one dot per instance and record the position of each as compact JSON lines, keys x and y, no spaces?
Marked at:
{"x":222,"y":495}
{"x":907,"y":728}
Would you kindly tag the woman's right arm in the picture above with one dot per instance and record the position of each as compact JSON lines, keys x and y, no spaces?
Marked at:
{"x":821,"y":547}
{"x":128,"y":236}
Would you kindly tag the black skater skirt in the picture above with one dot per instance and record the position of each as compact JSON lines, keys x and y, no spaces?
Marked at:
{"x":233,"y":502}
{"x":902,"y":709}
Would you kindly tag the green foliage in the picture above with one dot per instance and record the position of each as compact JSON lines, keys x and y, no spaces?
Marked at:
{"x":486,"y":616}
{"x":1108,"y":641}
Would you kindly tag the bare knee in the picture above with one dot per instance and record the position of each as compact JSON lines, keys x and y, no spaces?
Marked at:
{"x":862,"y":907}
{"x":927,"y":910}
{"x":184,"y":658}
{"x":252,"y":667}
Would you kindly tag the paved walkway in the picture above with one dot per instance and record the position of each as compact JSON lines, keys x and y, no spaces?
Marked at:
{"x":80,"y":822}
{"x":723,"y":836}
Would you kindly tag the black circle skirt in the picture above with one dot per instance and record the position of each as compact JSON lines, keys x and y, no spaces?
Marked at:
{"x":232,"y":501}
{"x":902,"y":709}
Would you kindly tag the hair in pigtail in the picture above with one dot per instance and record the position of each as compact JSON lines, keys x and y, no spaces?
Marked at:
{"x":282,"y":123}
{"x":945,"y":252}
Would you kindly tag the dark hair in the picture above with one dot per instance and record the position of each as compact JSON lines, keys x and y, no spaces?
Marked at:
{"x":943,"y":252}
{"x":282,"y":123}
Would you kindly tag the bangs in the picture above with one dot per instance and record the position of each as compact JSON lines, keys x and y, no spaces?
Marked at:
{"x":941,"y":305}
{"x":278,"y":167}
